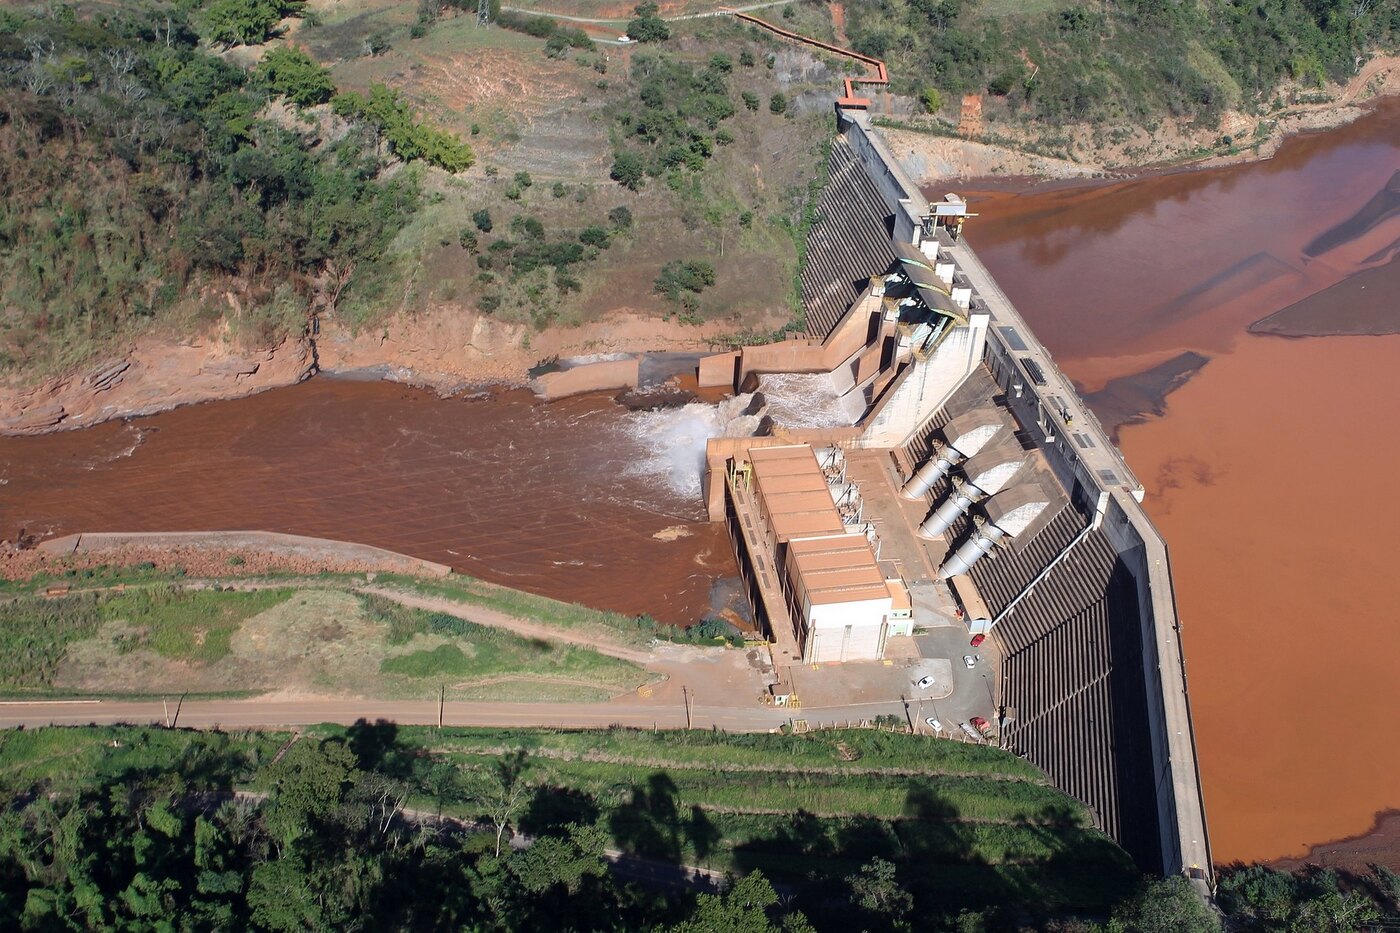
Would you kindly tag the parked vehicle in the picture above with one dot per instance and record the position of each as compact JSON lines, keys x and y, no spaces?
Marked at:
{"x":971,"y":732}
{"x":971,"y":660}
{"x":925,"y":682}
{"x":934,"y":724}
{"x":982,"y":726}
{"x":978,"y":639}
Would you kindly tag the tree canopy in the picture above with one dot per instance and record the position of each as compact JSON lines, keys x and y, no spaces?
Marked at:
{"x":142,"y":171}
{"x":246,"y":22}
{"x":386,"y":110}
{"x":291,"y":73}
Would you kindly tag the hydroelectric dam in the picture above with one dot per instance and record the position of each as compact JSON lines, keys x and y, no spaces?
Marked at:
{"x":972,"y":488}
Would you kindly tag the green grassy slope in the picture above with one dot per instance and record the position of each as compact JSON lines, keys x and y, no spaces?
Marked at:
{"x":315,"y":634}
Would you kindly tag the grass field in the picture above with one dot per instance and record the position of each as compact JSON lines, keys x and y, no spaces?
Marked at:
{"x":159,"y":637}
{"x":613,"y":627}
{"x":70,"y":760}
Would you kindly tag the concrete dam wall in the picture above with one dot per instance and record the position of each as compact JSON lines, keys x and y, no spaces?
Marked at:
{"x":1093,"y":676}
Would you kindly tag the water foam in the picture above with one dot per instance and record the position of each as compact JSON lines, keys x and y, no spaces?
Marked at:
{"x":806,"y":400}
{"x":670,"y":442}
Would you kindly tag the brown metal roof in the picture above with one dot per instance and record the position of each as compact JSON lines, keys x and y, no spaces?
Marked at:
{"x":837,"y":569}
{"x":793,"y":490}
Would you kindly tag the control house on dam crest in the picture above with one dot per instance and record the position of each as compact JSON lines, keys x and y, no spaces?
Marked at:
{"x":971,"y":482}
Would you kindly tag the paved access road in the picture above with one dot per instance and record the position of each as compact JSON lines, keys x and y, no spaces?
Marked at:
{"x":276,"y":712}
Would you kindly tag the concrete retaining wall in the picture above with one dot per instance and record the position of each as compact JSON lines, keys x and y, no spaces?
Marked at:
{"x":590,"y":377}
{"x":719,"y":369}
{"x":269,"y":542}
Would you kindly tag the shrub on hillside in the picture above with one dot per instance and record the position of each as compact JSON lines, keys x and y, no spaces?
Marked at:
{"x":291,"y":73}
{"x":647,"y":25}
{"x":680,"y":276}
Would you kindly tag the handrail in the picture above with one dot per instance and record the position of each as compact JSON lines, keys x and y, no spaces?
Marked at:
{"x":849,"y":99}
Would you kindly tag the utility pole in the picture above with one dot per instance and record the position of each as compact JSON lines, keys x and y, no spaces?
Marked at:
{"x":442,"y":701}
{"x":685,"y":698}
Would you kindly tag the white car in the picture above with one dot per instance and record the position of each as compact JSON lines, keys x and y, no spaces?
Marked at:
{"x":925,"y":682}
{"x":934,"y":724}
{"x":970,"y":660}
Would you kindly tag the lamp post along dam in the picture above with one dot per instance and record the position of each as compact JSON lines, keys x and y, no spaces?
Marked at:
{"x":966,"y":483}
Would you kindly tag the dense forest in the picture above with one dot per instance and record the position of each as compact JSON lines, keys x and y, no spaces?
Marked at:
{"x":378,"y":828}
{"x":142,"y":175}
{"x":373,"y":827}
{"x":1123,"y":60}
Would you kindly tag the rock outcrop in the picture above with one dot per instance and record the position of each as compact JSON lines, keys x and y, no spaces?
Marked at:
{"x":151,"y":377}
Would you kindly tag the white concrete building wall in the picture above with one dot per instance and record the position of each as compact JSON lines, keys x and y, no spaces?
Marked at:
{"x":853,"y":631}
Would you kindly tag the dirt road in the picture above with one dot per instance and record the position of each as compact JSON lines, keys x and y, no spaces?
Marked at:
{"x":493,"y":618}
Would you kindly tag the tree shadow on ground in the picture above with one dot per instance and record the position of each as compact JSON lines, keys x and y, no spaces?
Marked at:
{"x":649,"y":823}
{"x":653,"y":823}
{"x":551,"y":809}
{"x":376,"y":747}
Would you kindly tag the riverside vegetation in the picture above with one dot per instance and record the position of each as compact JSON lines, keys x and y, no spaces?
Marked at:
{"x":142,"y":174}
{"x":1122,"y":61}
{"x":159,"y":179}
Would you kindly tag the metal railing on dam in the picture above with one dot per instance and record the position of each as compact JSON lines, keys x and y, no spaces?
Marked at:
{"x":1089,"y":466}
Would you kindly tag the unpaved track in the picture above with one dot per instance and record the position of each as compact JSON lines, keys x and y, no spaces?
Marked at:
{"x":493,"y":618}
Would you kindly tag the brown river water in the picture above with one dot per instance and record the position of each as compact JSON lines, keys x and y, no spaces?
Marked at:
{"x":561,"y":499}
{"x":1270,"y":473}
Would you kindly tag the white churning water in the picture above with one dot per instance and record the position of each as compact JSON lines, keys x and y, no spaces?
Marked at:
{"x":671,"y":441}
